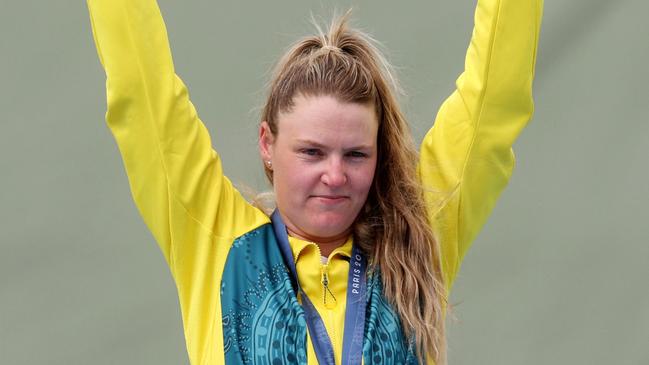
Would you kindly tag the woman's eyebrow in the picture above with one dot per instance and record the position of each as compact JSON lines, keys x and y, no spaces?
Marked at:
{"x":310,"y":143}
{"x":313,"y":143}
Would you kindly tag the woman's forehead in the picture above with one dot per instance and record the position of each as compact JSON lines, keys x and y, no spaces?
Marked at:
{"x":326,"y":119}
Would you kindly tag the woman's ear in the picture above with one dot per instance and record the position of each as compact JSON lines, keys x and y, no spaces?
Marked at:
{"x":266,"y":140}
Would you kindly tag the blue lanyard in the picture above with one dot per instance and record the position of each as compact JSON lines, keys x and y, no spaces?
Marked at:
{"x":354,"y":312}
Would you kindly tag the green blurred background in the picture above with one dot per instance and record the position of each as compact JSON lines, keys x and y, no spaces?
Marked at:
{"x":558,"y":275}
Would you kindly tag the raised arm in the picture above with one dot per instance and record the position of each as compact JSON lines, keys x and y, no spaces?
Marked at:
{"x":175,"y":176}
{"x":466,"y":157}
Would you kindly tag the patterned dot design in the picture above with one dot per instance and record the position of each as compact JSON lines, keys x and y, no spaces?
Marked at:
{"x":262,"y":321}
{"x":384,"y":339}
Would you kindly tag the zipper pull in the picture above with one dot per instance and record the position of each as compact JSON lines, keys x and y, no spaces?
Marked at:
{"x":325,"y":283}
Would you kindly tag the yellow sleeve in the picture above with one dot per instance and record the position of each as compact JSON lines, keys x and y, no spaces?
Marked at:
{"x":466,"y":158}
{"x":175,"y":176}
{"x":171,"y":166}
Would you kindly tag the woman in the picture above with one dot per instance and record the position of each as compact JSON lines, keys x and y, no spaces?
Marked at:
{"x":357,"y":260}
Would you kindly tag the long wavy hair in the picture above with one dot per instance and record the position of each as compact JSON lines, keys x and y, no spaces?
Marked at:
{"x":392,"y":228}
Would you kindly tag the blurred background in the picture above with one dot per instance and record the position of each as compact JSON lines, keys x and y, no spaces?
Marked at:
{"x":557,"y":276}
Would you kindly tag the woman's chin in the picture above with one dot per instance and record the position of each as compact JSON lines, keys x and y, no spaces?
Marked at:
{"x":330,"y":227}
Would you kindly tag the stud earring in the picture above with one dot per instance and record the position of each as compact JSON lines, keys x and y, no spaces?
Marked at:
{"x":269,"y":164}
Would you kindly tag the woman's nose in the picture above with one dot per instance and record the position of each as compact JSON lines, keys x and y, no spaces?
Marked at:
{"x":334,"y":175}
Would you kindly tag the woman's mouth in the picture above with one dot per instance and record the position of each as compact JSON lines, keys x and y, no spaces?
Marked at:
{"x":330,"y":199}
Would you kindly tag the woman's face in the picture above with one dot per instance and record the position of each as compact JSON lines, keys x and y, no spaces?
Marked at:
{"x":323,"y":160}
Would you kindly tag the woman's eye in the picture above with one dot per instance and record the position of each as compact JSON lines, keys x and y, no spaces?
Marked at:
{"x":311,"y":152}
{"x":356,"y":154}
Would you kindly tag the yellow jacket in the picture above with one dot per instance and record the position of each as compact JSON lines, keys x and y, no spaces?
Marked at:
{"x":206,"y":230}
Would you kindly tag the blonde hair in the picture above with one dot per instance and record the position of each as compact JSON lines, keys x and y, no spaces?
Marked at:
{"x":392,"y":228}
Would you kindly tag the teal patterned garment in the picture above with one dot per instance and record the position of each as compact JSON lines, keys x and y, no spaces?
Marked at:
{"x":384,"y":339}
{"x":263,"y":323}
